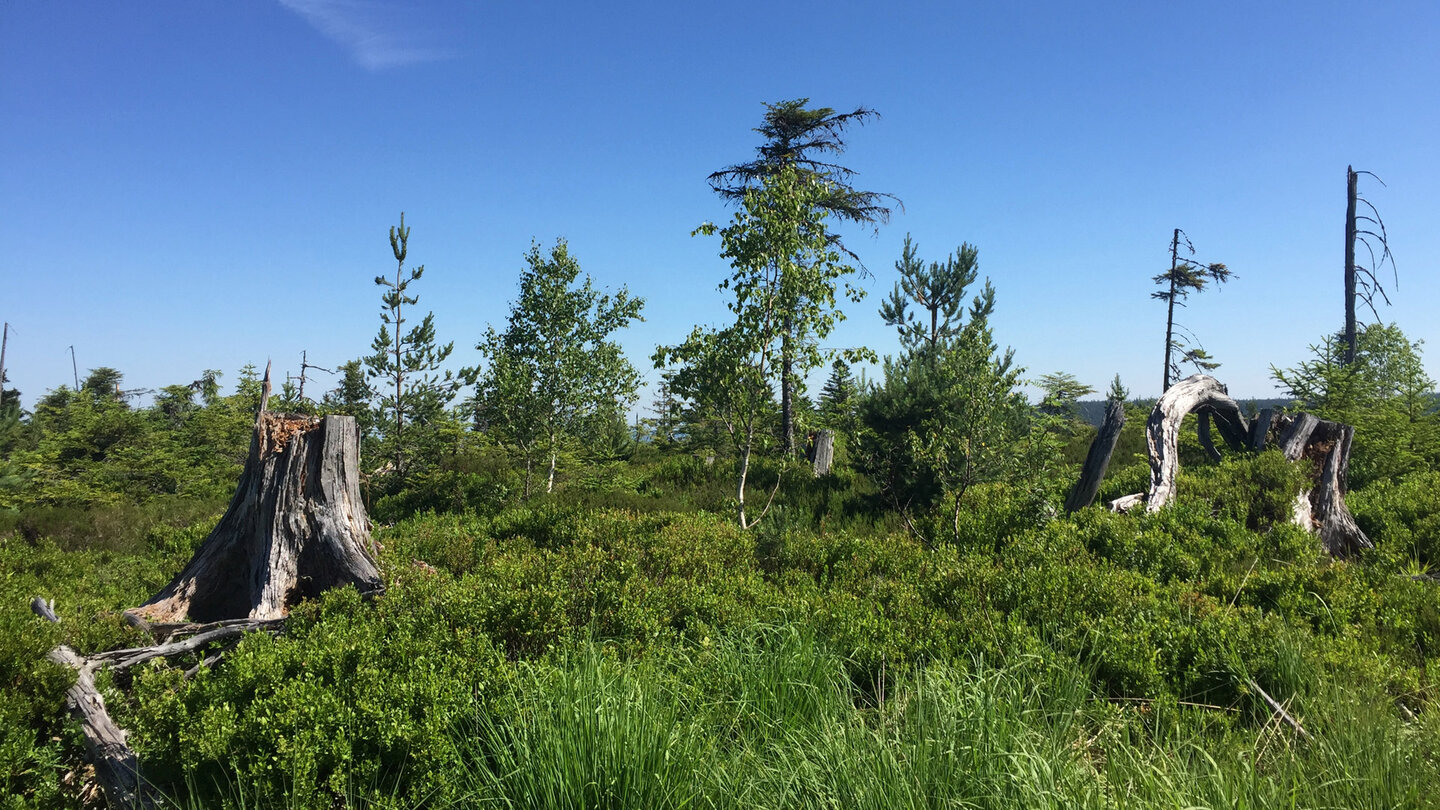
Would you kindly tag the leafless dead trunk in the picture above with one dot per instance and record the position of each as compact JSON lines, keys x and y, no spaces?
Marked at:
{"x":295,"y":527}
{"x":1097,"y":461}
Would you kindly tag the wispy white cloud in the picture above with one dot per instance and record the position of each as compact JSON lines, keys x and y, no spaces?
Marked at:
{"x":377,"y":34}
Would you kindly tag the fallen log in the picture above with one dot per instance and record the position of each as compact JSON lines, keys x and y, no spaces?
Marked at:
{"x":117,"y":769}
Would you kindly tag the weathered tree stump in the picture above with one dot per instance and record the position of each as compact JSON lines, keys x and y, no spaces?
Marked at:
{"x":1097,"y":460}
{"x":1321,"y":509}
{"x":295,"y":528}
{"x":823,"y":454}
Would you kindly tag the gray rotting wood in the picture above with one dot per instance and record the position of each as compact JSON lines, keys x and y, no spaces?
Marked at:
{"x":1320,"y":509}
{"x":824,"y":453}
{"x":295,"y":528}
{"x":1097,"y":460}
{"x":1260,"y":429}
{"x":1162,"y":430}
{"x":117,"y":769}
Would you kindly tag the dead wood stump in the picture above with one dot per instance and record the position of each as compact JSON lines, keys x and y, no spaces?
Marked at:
{"x":1162,"y":431}
{"x":1097,"y":460}
{"x":1321,"y":509}
{"x":295,"y":528}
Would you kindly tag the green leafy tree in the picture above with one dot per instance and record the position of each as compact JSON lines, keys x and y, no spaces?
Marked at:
{"x":785,"y":278}
{"x":803,"y":140}
{"x":351,"y":396}
{"x":408,"y":363}
{"x":838,"y":397}
{"x":1062,"y":393}
{"x":1118,"y":392}
{"x":937,"y":290}
{"x":555,"y":369}
{"x":1185,"y":276}
{"x":948,"y":415}
{"x":668,"y":413}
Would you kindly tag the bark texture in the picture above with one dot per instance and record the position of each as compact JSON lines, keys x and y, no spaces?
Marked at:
{"x":824,"y":452}
{"x":295,"y":528}
{"x":1321,"y":509}
{"x":1162,"y":431}
{"x":1097,"y":461}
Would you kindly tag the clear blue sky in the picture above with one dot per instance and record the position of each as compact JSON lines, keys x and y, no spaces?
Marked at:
{"x":192,"y":185}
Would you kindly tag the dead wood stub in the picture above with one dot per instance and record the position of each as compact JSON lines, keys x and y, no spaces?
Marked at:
{"x":295,"y":528}
{"x":1097,"y":460}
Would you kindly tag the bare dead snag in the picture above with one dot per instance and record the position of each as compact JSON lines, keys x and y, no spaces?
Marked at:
{"x":295,"y":528}
{"x":824,"y":452}
{"x":1097,"y":460}
{"x":1321,"y":509}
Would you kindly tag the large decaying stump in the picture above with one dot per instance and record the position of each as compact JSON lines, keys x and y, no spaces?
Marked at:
{"x":296,"y":527}
{"x":1322,"y":509}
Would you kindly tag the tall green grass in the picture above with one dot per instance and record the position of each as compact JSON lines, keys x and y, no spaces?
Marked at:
{"x":770,"y":720}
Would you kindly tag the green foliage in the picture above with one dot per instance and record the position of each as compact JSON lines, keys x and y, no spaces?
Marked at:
{"x":938,"y":290}
{"x":1062,"y":392}
{"x":1384,"y":393}
{"x":408,"y":368}
{"x":556,"y":374}
{"x":947,"y":417}
{"x":785,"y":275}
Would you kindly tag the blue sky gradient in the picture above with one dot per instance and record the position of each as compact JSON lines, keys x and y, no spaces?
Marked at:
{"x":194,"y":185}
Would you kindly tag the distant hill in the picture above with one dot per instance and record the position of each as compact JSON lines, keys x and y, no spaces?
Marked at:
{"x":1092,"y":411}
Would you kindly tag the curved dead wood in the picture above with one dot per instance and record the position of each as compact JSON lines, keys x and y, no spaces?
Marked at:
{"x":1097,"y":460}
{"x":295,"y":528}
{"x":1162,"y":431}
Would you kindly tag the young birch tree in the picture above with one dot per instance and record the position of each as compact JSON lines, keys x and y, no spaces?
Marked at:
{"x":785,"y":275}
{"x":555,"y":368}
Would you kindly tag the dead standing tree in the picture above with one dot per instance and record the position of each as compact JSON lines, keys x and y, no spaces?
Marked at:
{"x":1362,"y":282}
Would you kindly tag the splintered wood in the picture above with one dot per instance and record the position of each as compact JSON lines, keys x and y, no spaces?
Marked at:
{"x":275,"y":430}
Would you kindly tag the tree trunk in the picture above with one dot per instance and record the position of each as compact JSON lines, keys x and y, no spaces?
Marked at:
{"x":1321,"y":509}
{"x":824,"y":452}
{"x":1351,"y":184}
{"x":295,"y":527}
{"x":1097,"y":461}
{"x":787,"y":389}
{"x":550,"y":476}
{"x":1170,"y":312}
{"x":1260,"y":429}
